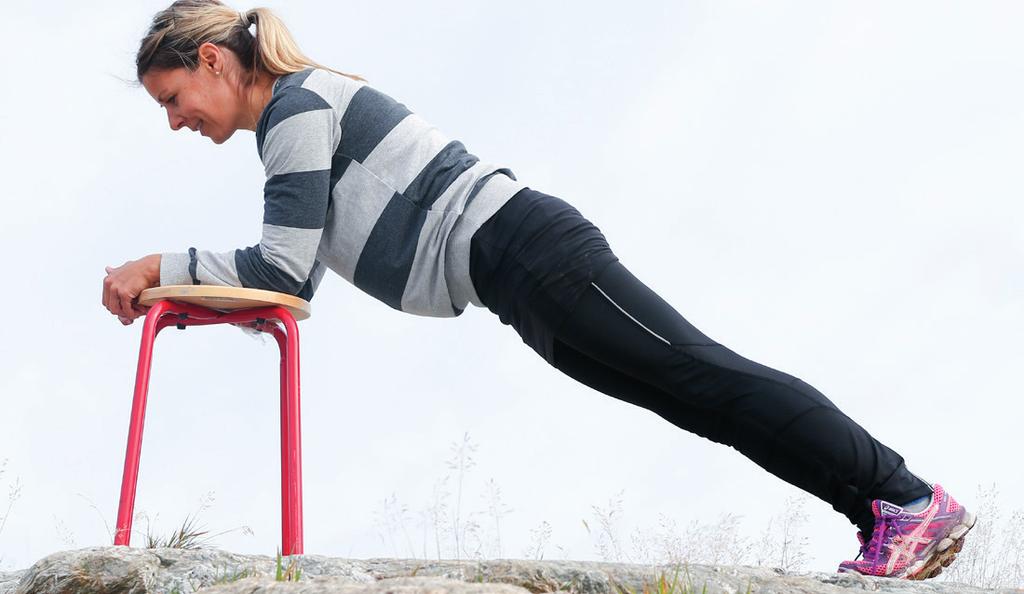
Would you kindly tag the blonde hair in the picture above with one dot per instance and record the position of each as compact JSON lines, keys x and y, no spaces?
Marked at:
{"x":176,"y":33}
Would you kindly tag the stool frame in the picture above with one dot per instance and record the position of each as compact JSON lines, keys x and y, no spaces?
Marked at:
{"x":166,"y":313}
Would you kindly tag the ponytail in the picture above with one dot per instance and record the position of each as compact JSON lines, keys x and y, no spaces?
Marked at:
{"x":176,"y":33}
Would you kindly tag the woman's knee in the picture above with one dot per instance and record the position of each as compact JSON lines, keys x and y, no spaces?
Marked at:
{"x":628,"y":294}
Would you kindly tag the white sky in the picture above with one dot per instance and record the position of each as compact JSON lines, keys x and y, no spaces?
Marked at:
{"x":831,"y":189}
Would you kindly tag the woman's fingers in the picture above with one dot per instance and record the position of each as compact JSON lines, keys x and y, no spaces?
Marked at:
{"x":125,"y":299}
{"x":122,"y":287}
{"x":106,"y":289}
{"x":115,"y":296}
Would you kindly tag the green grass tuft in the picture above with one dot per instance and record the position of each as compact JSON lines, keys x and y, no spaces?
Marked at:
{"x":187,"y":536}
{"x":292,"y":573}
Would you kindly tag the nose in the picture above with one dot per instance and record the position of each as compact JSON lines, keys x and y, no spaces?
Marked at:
{"x":175,"y":120}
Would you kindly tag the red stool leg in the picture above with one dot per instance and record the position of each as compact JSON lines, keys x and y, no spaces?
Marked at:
{"x":286,"y":525}
{"x":129,"y":479}
{"x":291,"y":436}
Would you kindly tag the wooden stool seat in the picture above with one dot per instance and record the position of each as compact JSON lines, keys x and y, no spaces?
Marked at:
{"x":226,"y":298}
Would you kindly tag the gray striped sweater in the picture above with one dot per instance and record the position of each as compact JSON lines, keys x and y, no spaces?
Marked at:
{"x":359,"y":184}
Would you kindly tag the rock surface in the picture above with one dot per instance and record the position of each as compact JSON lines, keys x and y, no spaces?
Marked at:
{"x":398,"y":585}
{"x":122,"y":570}
{"x":9,"y":580}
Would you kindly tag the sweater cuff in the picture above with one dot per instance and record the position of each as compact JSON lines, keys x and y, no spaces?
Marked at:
{"x":174,"y":269}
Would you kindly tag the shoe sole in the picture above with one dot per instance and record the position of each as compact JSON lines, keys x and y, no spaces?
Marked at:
{"x":945,"y":553}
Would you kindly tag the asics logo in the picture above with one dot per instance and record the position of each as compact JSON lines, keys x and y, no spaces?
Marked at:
{"x":890,"y":509}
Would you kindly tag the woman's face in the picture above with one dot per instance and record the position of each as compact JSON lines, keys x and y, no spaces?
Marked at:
{"x":202,"y":101}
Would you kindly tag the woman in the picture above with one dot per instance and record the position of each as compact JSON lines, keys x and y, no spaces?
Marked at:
{"x":358,"y":184}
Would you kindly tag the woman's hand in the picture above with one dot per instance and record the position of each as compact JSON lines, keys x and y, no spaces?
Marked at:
{"x":123,"y":285}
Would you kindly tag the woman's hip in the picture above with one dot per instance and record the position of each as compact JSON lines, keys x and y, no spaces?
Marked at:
{"x":532,"y":260}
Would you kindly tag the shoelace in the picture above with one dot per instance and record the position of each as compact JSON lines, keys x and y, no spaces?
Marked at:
{"x":879,"y":538}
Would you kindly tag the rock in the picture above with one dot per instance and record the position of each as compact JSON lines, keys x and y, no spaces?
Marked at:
{"x":9,"y":580}
{"x":122,"y":570}
{"x":330,"y":585}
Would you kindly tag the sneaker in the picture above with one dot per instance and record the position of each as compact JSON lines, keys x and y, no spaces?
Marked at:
{"x":915,"y":546}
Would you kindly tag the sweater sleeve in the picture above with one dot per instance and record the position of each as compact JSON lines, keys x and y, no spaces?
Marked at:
{"x":296,"y":137}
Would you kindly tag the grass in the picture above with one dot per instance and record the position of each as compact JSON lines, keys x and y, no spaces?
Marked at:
{"x":289,"y":573}
{"x":454,"y":534}
{"x":13,"y":494}
{"x":187,"y":536}
{"x":190,"y":534}
{"x":994,"y":556}
{"x":662,"y":585}
{"x":228,"y":577}
{"x":234,"y":576}
{"x":450,"y":526}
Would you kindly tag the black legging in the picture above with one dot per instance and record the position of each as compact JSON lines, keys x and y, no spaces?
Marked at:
{"x":549,"y":272}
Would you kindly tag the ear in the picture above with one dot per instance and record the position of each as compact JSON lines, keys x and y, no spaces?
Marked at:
{"x":211,"y":58}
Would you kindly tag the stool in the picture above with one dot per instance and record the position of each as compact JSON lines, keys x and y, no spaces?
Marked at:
{"x":203,"y":305}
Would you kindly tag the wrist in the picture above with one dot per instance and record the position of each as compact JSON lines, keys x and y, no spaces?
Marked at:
{"x":152,"y":268}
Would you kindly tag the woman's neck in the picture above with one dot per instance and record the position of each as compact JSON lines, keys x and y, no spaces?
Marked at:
{"x":258,"y":97}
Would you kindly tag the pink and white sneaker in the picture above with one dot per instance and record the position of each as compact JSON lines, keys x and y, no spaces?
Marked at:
{"x":915,"y":546}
